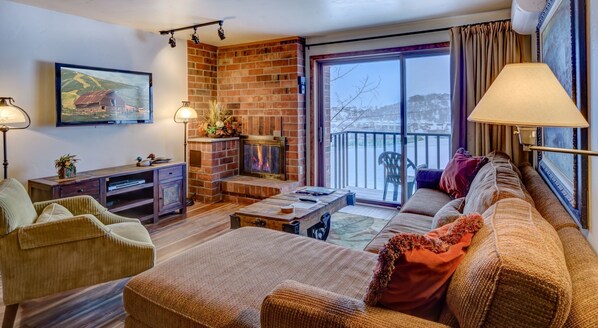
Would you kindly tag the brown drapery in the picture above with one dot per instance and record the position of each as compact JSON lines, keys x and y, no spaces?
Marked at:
{"x":478,"y":54}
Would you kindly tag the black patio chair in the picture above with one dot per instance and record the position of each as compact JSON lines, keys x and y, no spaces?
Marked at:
{"x":392,"y":173}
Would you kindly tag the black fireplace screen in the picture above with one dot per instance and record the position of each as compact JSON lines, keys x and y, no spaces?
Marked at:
{"x":263,"y":156}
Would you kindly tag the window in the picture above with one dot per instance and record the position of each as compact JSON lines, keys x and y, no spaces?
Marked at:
{"x":395,"y":103}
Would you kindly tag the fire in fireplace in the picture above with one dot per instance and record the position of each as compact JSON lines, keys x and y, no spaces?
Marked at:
{"x":263,"y":156}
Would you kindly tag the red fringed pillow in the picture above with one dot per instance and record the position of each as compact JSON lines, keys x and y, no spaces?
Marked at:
{"x":414,"y":270}
{"x":459,"y":173}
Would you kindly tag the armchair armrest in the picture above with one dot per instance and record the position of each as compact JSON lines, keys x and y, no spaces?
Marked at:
{"x":79,"y":205}
{"x":293,"y":304}
{"x":77,"y":228}
{"x":428,"y":178}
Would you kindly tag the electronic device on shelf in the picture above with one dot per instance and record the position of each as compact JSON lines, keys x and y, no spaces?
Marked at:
{"x":116,"y":185}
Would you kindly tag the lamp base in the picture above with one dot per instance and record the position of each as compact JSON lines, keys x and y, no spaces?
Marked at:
{"x":189,"y":202}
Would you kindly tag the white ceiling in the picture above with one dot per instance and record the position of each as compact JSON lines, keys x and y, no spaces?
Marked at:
{"x":248,"y":21}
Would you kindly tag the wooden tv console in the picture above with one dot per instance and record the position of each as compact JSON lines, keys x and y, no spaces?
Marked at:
{"x":152,"y":190}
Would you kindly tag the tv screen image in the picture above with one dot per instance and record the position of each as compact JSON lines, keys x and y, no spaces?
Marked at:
{"x":92,"y":96}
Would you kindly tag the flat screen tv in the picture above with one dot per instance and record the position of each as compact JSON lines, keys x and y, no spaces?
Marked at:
{"x":93,"y":96}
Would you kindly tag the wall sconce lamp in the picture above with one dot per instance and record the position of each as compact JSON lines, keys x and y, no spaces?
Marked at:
{"x":12,"y":117}
{"x":194,"y":37}
{"x":529,"y":96}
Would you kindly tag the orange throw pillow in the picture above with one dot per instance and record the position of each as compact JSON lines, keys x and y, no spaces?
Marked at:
{"x":414,"y":270}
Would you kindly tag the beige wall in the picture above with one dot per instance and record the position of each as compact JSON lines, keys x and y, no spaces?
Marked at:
{"x":33,"y":39}
{"x":593,"y":109}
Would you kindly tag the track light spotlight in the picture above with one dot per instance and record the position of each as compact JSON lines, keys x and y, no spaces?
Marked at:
{"x":194,"y":36}
{"x":172,"y":40}
{"x":221,"y":31}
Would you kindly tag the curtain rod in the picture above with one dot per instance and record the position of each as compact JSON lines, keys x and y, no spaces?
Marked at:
{"x":393,"y":35}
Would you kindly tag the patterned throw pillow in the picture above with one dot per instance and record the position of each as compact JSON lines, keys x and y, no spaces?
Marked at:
{"x":414,"y":270}
{"x":54,"y":212}
{"x":459,"y":173}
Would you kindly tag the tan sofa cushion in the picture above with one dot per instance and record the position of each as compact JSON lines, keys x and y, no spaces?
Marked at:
{"x":296,"y":305}
{"x":583,"y":268}
{"x":514,"y":274}
{"x":54,"y":212}
{"x":222,"y":283}
{"x":16,"y":209}
{"x":449,"y":212}
{"x":402,"y":222}
{"x":546,"y":202}
{"x":132,"y":231}
{"x":426,"y":202}
{"x":496,"y":180}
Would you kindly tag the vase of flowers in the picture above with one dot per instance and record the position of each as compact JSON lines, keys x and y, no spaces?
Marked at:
{"x":219,"y":123}
{"x":65,"y":166}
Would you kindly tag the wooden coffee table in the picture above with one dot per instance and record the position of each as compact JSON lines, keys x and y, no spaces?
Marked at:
{"x":312,"y":222}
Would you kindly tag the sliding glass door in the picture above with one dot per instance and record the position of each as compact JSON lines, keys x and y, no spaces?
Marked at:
{"x":372,"y":111}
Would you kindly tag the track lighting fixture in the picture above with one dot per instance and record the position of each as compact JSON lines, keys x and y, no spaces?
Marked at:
{"x":172,"y":40}
{"x":221,"y":31}
{"x":194,"y":36}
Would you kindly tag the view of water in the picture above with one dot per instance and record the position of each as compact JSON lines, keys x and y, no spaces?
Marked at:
{"x":361,"y":167}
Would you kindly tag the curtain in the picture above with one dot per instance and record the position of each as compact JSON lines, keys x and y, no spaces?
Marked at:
{"x":478,"y":54}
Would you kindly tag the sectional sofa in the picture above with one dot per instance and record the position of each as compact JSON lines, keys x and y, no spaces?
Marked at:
{"x":529,"y":266}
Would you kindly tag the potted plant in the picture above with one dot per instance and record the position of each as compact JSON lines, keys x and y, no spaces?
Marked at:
{"x":219,"y":123}
{"x":65,"y":166}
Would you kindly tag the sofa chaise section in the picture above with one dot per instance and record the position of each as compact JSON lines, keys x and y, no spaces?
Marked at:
{"x":223,"y":282}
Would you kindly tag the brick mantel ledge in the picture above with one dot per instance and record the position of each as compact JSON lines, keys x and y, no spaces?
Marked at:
{"x":210,"y":140}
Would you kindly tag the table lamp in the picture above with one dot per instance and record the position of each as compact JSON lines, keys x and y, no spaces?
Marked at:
{"x":183,"y":115}
{"x":529,"y":96}
{"x":12,"y":117}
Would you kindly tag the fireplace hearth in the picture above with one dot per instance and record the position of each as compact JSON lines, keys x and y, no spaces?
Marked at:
{"x":263,"y":156}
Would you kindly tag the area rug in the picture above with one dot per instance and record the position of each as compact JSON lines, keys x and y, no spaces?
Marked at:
{"x":353,"y":231}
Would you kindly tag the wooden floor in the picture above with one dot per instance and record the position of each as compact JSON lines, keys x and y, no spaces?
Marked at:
{"x":101,"y":305}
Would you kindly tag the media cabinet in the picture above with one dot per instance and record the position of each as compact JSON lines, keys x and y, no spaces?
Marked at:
{"x":153,"y":190}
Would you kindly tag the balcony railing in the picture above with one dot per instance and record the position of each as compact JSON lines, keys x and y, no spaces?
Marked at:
{"x":354,"y":155}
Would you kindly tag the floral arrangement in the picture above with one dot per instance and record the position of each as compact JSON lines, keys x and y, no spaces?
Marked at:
{"x":219,"y":123}
{"x":66,"y":166}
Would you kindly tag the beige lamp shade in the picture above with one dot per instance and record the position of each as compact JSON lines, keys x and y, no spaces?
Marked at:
{"x":11,"y":115}
{"x":528,"y":95}
{"x":185,"y":113}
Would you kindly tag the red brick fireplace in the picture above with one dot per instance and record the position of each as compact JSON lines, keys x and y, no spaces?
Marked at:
{"x":258,"y":82}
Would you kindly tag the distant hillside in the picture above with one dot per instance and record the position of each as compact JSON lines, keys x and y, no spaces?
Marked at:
{"x":425,"y":113}
{"x":74,"y":84}
{"x":429,"y":113}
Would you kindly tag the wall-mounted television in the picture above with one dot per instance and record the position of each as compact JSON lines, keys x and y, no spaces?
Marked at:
{"x":93,"y":96}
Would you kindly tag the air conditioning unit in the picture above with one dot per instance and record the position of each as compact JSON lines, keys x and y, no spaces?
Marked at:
{"x":525,"y":14}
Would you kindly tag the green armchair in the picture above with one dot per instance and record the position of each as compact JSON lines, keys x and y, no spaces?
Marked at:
{"x":39,"y":259}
